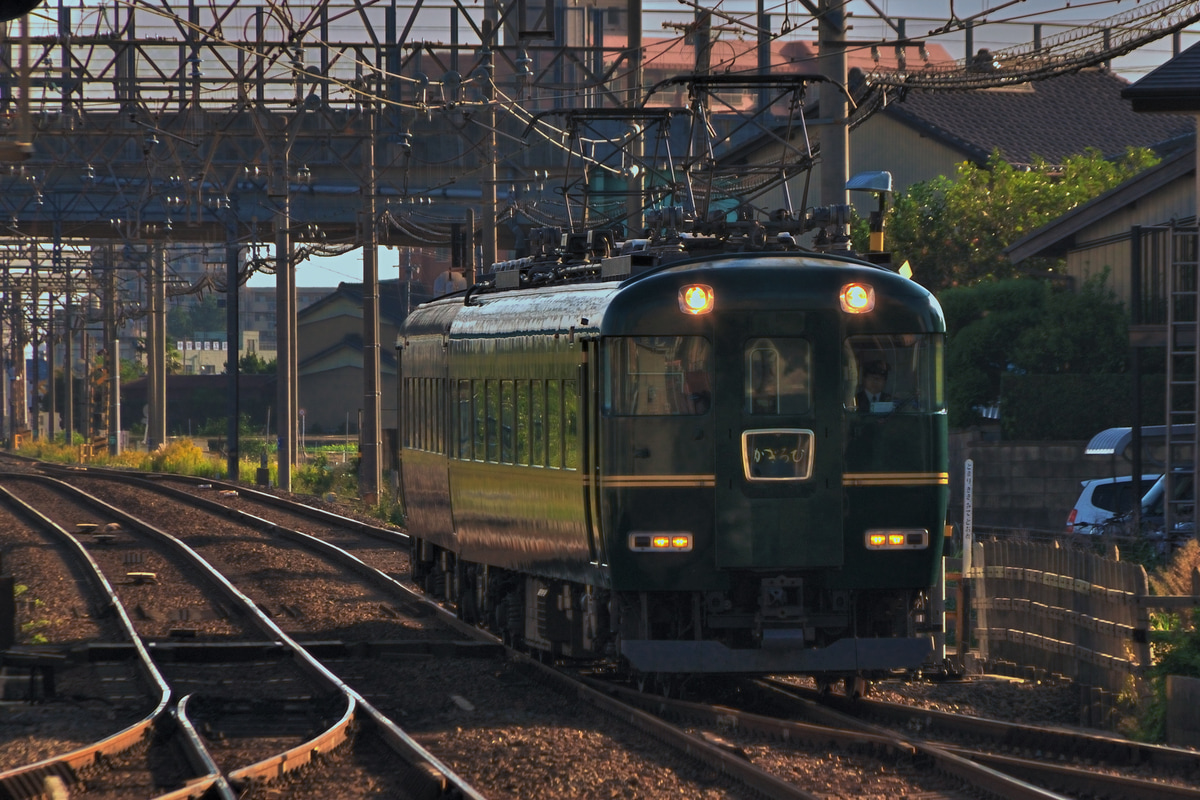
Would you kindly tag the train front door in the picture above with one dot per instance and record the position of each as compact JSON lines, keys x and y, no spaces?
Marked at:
{"x":778,"y":448}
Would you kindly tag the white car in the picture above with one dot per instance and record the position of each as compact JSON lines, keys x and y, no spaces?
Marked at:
{"x":1102,"y":499}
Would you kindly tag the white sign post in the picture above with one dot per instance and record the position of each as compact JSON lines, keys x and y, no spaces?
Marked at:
{"x":968,"y":515}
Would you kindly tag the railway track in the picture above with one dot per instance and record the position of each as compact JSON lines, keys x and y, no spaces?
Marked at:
{"x":1080,"y":762}
{"x":255,"y":722}
{"x":494,"y":720}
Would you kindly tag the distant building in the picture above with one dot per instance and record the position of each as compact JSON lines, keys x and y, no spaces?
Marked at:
{"x":329,"y":344}
{"x":927,"y":134}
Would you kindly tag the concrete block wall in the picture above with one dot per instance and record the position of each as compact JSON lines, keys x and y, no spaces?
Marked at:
{"x":1024,"y":485}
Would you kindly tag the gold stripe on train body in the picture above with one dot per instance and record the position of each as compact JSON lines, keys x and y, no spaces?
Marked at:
{"x":896,"y":479}
{"x":657,"y":481}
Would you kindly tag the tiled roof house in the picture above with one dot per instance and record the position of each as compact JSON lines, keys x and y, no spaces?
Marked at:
{"x":926,"y":134}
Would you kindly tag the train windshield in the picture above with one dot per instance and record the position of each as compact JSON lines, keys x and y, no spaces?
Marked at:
{"x":893,"y":373}
{"x":777,"y":376}
{"x":657,"y":376}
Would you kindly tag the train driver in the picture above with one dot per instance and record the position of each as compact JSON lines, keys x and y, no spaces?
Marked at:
{"x":874,"y":382}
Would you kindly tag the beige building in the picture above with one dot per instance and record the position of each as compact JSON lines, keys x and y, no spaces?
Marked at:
{"x":330,"y":355}
{"x":209,"y":356}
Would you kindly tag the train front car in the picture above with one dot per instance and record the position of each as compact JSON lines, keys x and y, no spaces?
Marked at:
{"x":773,"y":466}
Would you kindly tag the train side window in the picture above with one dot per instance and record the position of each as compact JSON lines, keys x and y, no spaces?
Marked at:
{"x":405,"y":413}
{"x":523,"y":422}
{"x":493,"y":421}
{"x":656,"y":376}
{"x":570,"y":425}
{"x":439,"y":422}
{"x":538,"y":419}
{"x":479,"y":434}
{"x":508,"y":421}
{"x":464,"y":420}
{"x":422,"y":413}
{"x":777,"y":376}
{"x":553,"y":424}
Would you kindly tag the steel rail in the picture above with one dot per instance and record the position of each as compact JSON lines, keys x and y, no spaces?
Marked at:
{"x":19,"y":780}
{"x":1074,"y":780}
{"x":1114,"y":750}
{"x":846,"y":731}
{"x":433,"y":776}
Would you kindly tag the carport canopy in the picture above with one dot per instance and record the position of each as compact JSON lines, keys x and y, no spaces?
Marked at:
{"x":1114,"y":441}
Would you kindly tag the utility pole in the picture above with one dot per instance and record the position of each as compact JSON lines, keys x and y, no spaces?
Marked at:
{"x":113,"y":347}
{"x":285,"y":316}
{"x":69,"y":349}
{"x":370,"y":470}
{"x":490,"y":247}
{"x":233,"y":340}
{"x":835,"y":137}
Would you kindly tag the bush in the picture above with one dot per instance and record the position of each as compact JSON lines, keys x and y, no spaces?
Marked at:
{"x":1176,"y":649}
{"x":1074,"y":406}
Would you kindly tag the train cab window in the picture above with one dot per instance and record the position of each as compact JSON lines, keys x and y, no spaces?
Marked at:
{"x":893,"y":374}
{"x":777,"y":376}
{"x":656,"y":376}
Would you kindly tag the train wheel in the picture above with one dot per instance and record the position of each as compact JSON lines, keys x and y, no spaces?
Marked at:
{"x":857,"y":686}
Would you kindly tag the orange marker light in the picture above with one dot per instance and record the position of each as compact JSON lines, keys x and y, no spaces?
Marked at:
{"x":877,"y":539}
{"x":857,"y":298}
{"x":661,"y":541}
{"x":680,"y":542}
{"x":696,"y":298}
{"x":896,"y":539}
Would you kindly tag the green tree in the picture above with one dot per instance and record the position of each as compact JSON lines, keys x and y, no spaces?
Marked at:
{"x":1022,"y":326}
{"x":205,"y":314}
{"x":251,"y":364}
{"x":953,"y":231}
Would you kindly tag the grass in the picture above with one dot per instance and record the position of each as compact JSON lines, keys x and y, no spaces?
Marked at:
{"x":329,"y":469}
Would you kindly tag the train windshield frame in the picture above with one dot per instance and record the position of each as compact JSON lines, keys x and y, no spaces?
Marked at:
{"x":893,"y":373}
{"x":655,"y":376}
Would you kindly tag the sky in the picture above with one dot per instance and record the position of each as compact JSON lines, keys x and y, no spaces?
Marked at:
{"x":1004,"y":23}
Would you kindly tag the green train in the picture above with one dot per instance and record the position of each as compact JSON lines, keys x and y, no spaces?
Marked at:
{"x":716,"y":457}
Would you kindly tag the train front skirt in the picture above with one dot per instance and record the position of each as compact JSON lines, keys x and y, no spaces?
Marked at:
{"x":781,"y":653}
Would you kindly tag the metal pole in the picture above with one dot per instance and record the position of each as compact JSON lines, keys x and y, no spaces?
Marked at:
{"x":69,"y":359}
{"x":835,"y":139}
{"x":158,"y":404}
{"x":285,"y":321}
{"x":51,"y":387}
{"x":36,"y":388}
{"x":370,"y":471}
{"x":5,"y":397}
{"x":151,"y":356}
{"x":490,"y":247}
{"x":113,"y":347}
{"x":232,"y":341}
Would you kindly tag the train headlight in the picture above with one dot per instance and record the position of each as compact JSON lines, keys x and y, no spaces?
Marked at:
{"x":660,"y":541}
{"x":696,"y":298}
{"x":857,"y":298}
{"x":897,"y":539}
